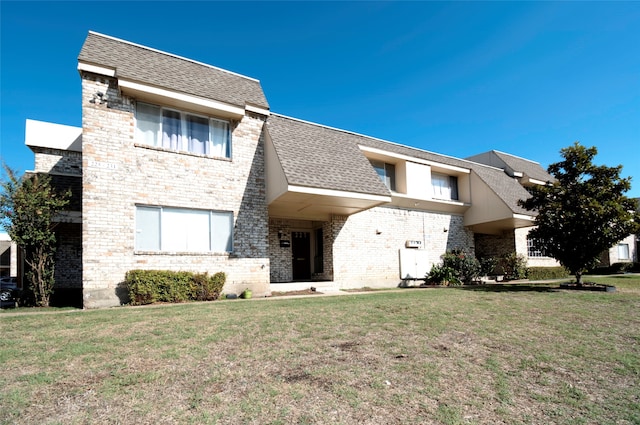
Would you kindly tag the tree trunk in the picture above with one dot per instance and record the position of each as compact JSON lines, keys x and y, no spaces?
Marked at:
{"x":579,"y":278}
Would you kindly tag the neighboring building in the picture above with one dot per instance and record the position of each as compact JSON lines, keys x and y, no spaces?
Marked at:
{"x":8,"y":256}
{"x":181,"y":165}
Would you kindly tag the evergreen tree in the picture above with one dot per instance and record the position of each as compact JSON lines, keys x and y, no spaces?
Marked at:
{"x":583,"y":212}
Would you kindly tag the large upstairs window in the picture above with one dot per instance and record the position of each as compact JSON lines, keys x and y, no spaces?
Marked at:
{"x":386,"y":172}
{"x":444,"y":187}
{"x":182,"y":131}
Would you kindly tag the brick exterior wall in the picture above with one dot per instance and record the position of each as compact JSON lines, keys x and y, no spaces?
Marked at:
{"x":56,"y":161}
{"x":366,"y":246}
{"x":118,"y":175}
{"x":363,"y":249}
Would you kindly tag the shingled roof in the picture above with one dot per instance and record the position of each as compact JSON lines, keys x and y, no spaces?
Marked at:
{"x":315,"y":156}
{"x":150,"y":66}
{"x":513,"y":164}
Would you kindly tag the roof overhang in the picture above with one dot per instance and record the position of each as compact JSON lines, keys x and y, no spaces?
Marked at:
{"x":440,"y":205}
{"x":173,"y":98}
{"x":308,"y":203}
{"x":507,"y":224}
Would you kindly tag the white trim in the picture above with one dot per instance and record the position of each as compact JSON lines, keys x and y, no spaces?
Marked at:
{"x":517,"y":174}
{"x":172,"y":55}
{"x":174,"y":95}
{"x":257,"y":110}
{"x":102,"y":70}
{"x":536,"y":181}
{"x":414,"y":159}
{"x":338,"y":193}
{"x":523,"y":217}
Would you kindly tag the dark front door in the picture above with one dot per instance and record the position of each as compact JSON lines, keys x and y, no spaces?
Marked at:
{"x":301,"y":250}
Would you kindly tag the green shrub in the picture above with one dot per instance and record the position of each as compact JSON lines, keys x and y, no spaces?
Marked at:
{"x":513,"y":266}
{"x":443,"y":275}
{"x":544,"y":273}
{"x":208,"y":288}
{"x":457,"y":268}
{"x":488,"y":266}
{"x":150,"y":286}
{"x":466,"y":266}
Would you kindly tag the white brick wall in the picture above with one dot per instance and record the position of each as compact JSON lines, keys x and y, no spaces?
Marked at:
{"x":118,"y":174}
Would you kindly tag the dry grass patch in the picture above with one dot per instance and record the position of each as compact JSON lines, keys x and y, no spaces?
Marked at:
{"x":443,"y":356}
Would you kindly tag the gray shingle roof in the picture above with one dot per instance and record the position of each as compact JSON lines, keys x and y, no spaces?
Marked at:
{"x":315,"y":156}
{"x":514,"y":163}
{"x":530,"y":168}
{"x":165,"y":70}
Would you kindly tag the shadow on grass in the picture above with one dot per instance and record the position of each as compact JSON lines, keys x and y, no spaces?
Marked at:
{"x":506,"y":287}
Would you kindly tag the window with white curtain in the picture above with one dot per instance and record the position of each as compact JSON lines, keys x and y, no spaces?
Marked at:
{"x":623,"y":251}
{"x":183,"y":230}
{"x":444,"y":187}
{"x":182,"y":131}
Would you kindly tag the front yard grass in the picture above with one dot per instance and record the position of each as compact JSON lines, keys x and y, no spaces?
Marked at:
{"x":424,"y":356}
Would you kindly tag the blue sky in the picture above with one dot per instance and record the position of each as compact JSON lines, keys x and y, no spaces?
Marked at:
{"x":456,"y":78}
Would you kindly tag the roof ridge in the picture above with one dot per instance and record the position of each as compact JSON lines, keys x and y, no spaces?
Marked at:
{"x":382,"y":140}
{"x":172,"y":55}
{"x":516,"y":156}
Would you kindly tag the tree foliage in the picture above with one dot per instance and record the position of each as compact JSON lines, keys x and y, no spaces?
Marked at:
{"x":28,"y":206}
{"x":583,"y":212}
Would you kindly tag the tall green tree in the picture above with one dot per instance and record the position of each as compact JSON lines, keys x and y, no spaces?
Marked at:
{"x":583,"y":212}
{"x":28,"y":206}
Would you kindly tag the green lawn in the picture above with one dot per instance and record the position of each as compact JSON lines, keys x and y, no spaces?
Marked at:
{"x":471,"y":355}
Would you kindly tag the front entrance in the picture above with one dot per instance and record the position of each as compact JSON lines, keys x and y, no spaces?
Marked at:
{"x":301,"y":252}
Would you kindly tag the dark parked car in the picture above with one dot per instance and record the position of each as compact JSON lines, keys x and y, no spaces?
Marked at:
{"x":9,"y":292}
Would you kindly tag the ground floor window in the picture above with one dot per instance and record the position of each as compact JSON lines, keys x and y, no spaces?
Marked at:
{"x":623,"y":251}
{"x":183,"y":230}
{"x":534,"y":248}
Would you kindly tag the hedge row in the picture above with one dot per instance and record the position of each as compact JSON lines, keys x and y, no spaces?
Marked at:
{"x":544,"y":273}
{"x":151,"y":286}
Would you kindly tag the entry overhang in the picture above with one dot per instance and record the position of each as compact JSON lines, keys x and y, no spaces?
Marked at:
{"x":498,"y":227}
{"x":311,"y":203}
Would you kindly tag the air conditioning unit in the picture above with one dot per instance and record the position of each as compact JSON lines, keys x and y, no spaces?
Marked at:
{"x":413,"y":244}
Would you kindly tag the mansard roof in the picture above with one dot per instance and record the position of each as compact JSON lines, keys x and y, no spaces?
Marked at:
{"x":322,"y":157}
{"x":149,"y":66}
{"x":318,"y":156}
{"x":513,"y":164}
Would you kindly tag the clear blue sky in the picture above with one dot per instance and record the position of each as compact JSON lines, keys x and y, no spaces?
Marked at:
{"x":455,"y":78}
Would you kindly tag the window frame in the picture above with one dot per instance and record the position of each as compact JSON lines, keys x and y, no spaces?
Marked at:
{"x":389,"y":169}
{"x":627,"y":256}
{"x":451,"y":185}
{"x":184,"y":143}
{"x":163,"y":232}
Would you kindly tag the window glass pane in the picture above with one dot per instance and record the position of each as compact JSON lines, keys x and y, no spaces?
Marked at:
{"x":623,"y":251}
{"x":390,"y":176}
{"x":221,"y":231}
{"x":386,"y":172}
{"x":440,"y":184}
{"x":147,"y":123}
{"x":171,"y":130}
{"x":198,"y":134}
{"x":185,"y":230}
{"x":453,"y":186}
{"x":147,"y":229}
{"x":220,"y":136}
